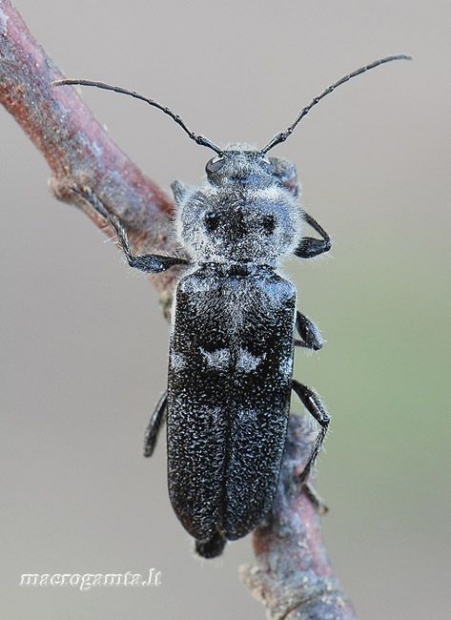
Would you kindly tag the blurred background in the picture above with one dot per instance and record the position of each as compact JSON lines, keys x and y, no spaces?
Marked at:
{"x":83,"y":345}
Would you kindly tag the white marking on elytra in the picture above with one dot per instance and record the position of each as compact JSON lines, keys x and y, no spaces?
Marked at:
{"x":178,"y":360}
{"x":219,"y":359}
{"x":286,"y":367}
{"x":248,"y":362}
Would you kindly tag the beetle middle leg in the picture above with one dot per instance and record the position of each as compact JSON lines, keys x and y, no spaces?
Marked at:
{"x":154,"y":426}
{"x":314,"y":406}
{"x":311,"y":338}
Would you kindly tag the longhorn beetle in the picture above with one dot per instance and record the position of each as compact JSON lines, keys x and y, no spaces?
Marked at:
{"x":232,"y":340}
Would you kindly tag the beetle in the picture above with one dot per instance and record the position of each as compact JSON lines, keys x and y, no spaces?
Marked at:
{"x":232,"y":342}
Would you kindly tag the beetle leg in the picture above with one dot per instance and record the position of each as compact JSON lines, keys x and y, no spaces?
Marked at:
{"x":314,"y":406}
{"x":311,"y":338}
{"x":309,"y":246}
{"x":153,"y":428}
{"x":151,"y":263}
{"x":316,"y":500}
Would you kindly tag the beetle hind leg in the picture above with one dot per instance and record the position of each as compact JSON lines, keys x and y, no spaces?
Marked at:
{"x":153,"y":428}
{"x":212,"y":547}
{"x":315,"y":499}
{"x":314,"y":406}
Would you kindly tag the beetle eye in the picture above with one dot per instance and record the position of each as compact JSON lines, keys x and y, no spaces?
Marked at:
{"x":211,"y":221}
{"x":269,"y":224}
{"x":214,"y":165}
{"x":267,"y":164}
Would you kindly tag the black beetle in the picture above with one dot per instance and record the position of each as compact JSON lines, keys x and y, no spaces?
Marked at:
{"x":232,"y":341}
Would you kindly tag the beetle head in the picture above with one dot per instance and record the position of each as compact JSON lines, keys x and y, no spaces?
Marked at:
{"x":246,"y":211}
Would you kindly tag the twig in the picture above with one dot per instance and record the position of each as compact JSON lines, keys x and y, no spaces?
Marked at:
{"x":292,"y":577}
{"x":77,"y":148}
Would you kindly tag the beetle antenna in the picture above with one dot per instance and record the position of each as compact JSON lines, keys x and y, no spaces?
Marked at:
{"x":283,"y":135}
{"x":202,"y":140}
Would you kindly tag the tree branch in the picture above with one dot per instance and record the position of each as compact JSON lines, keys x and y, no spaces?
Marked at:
{"x":292,"y":577}
{"x":77,"y":148}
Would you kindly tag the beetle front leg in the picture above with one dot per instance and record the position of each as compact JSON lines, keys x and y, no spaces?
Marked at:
{"x":154,"y":426}
{"x":314,"y":406}
{"x":150,"y":263}
{"x":309,"y":246}
{"x":311,"y":338}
